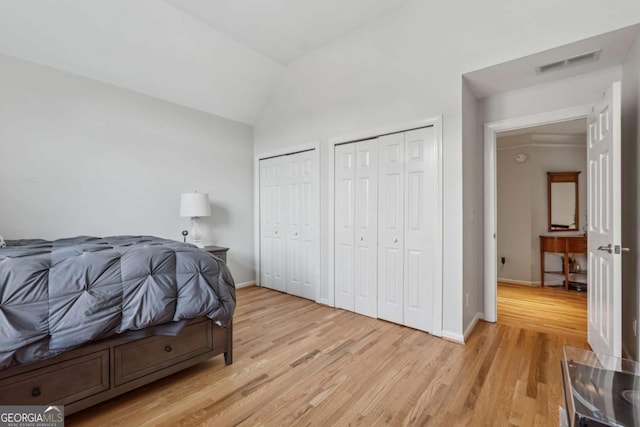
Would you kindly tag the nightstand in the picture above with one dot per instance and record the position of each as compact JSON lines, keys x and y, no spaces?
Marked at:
{"x":218,"y":251}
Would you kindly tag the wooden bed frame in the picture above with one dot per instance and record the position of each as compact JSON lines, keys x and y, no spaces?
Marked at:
{"x":102,"y":370}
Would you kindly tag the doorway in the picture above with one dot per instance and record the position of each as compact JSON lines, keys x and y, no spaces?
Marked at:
{"x":541,"y":182}
{"x":490,"y":190}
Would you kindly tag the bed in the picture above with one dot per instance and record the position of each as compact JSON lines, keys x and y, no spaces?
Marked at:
{"x":85,"y":319}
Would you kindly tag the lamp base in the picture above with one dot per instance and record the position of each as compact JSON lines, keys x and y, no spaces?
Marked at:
{"x":196,"y":235}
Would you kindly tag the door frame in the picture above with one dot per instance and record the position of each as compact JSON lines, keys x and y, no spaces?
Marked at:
{"x":436,"y":122}
{"x":312,"y":145}
{"x":491,"y":190}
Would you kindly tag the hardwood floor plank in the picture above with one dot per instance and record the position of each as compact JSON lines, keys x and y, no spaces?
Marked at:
{"x":301,"y":363}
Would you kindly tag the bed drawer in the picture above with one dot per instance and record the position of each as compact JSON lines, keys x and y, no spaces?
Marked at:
{"x":139,"y":358}
{"x":60,"y":383}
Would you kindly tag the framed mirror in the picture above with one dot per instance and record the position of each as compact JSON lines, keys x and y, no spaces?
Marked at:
{"x":562,"y":201}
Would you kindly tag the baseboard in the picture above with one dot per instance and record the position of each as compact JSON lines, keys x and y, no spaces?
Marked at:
{"x":450,"y":336}
{"x":245,"y":284}
{"x":324,"y":302}
{"x":472,"y":325}
{"x":519,"y":282}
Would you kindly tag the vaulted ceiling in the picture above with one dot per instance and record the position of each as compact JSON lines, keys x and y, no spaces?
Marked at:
{"x":221,"y":57}
{"x":227,"y":57}
{"x":285,"y":30}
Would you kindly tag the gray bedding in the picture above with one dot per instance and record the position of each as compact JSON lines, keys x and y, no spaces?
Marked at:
{"x":58,"y":295}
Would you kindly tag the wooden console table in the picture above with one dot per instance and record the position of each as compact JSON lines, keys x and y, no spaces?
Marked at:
{"x":562,"y":245}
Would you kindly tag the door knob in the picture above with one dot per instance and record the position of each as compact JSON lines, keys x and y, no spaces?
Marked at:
{"x":395,"y":240}
{"x":361,"y":238}
{"x":276,"y":231}
{"x":606,"y":248}
{"x":617,"y":249}
{"x":295,"y":234}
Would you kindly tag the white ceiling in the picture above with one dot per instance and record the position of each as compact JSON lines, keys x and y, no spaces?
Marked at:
{"x":146,"y":46}
{"x":285,"y":30}
{"x":225,"y":57}
{"x":520,"y":73}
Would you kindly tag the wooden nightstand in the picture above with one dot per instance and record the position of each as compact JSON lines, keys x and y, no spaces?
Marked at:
{"x":218,"y":251}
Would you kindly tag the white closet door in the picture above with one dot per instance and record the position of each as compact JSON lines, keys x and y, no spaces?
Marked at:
{"x":390,"y":227}
{"x":273,"y":208}
{"x":366,"y":228}
{"x":294,"y":220}
{"x":302,"y":227}
{"x":267,"y":171}
{"x":420,"y":226}
{"x":345,"y":175}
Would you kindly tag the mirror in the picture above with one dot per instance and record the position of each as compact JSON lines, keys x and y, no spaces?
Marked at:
{"x":562,"y":195}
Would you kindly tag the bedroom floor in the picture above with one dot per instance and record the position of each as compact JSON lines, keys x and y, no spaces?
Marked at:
{"x":301,"y":363}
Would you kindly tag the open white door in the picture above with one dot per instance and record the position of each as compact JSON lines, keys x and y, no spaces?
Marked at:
{"x":604,"y":234}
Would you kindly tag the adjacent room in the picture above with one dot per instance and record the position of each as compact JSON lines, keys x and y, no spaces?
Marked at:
{"x":323,"y":212}
{"x":542,"y":211}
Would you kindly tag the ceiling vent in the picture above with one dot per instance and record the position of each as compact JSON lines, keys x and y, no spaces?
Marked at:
{"x":583,"y":58}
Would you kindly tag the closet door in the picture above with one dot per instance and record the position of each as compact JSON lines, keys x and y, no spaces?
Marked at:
{"x":345,"y":175}
{"x":272,"y":224}
{"x":294,"y":237}
{"x":391,"y":176}
{"x":366,"y":228}
{"x":420,"y":226}
{"x":266,"y":223}
{"x":302,"y":229}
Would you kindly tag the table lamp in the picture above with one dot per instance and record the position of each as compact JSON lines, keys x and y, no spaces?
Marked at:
{"x":195,"y":205}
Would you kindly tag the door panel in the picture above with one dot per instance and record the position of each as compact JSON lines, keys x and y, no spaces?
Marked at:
{"x":412,"y":280}
{"x":294,"y":237}
{"x":421,"y":227}
{"x":366,"y":228}
{"x":266,"y":223}
{"x":390,"y":227}
{"x":309,"y":230}
{"x":604,"y":228}
{"x":344,"y":250}
{"x":272,"y":222}
{"x":280,"y":208}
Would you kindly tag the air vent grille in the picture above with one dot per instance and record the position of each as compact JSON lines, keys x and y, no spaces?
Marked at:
{"x":581,"y":59}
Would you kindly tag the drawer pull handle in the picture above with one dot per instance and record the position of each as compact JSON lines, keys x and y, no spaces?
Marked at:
{"x":36,"y":392}
{"x":168,"y":349}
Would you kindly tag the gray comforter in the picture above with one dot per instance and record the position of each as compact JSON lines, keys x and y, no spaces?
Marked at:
{"x":58,"y":295}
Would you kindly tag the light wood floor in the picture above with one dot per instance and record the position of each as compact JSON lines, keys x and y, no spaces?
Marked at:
{"x":300,"y":363}
{"x":551,"y":309}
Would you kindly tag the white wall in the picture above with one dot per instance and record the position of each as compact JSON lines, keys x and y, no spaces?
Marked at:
{"x":514,"y":203}
{"x":473,"y":217}
{"x":630,"y":199}
{"x":82,"y":157}
{"x":522,"y":204}
{"x":576,"y":91}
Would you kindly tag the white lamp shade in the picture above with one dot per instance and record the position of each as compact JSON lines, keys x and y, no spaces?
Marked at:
{"x":194,"y":204}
